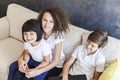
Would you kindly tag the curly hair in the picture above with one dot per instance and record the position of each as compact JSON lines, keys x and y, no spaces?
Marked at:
{"x":60,"y":18}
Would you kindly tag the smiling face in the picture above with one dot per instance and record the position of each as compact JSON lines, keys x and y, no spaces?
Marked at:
{"x":30,"y":37}
{"x":91,"y":47}
{"x":47,"y":23}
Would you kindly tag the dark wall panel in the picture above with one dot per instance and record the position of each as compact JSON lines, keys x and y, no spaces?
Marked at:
{"x":87,"y":14}
{"x":35,"y":5}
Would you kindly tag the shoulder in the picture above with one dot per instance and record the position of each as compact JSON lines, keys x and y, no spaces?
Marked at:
{"x":26,"y":44}
{"x":100,"y":54}
{"x":78,"y":50}
{"x":80,"y":47}
{"x":43,"y":43}
{"x":57,"y":38}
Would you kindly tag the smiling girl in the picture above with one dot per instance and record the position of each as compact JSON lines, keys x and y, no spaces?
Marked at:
{"x":36,"y":54}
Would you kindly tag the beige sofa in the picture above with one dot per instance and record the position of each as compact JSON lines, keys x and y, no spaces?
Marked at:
{"x":11,"y":44}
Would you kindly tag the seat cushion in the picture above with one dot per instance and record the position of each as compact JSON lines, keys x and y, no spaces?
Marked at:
{"x":10,"y":50}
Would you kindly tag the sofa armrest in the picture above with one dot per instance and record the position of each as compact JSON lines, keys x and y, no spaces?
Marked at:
{"x":4,"y":28}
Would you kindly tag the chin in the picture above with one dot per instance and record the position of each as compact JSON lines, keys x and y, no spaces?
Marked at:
{"x":30,"y":42}
{"x":46,"y":31}
{"x":89,"y":51}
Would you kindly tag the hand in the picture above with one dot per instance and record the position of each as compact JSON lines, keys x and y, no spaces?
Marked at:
{"x":23,"y":66}
{"x":64,"y":78}
{"x":32,"y":73}
{"x":95,"y":79}
{"x":28,"y":70}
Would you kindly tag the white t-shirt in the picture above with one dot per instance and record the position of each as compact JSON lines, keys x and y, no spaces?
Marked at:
{"x":85,"y":64}
{"x":52,"y":41}
{"x":38,"y":52}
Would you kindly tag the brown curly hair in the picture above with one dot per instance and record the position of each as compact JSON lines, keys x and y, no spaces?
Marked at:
{"x":60,"y":18}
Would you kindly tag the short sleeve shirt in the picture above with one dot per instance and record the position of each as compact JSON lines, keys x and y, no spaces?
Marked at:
{"x":87,"y":64}
{"x":52,"y":41}
{"x":38,"y":52}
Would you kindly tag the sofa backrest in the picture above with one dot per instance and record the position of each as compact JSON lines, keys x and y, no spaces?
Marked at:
{"x":72,"y":39}
{"x":17,"y":15}
{"x":4,"y":28}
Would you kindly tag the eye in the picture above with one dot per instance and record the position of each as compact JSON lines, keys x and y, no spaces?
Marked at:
{"x":31,"y":33}
{"x":24,"y":33}
{"x":44,"y":19}
{"x":51,"y":21}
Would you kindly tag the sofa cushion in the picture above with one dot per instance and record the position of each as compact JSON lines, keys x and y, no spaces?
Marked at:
{"x":111,"y":50}
{"x":72,"y":39}
{"x":112,"y":72}
{"x":85,"y":36}
{"x":17,"y":15}
{"x":10,"y":50}
{"x":4,"y":28}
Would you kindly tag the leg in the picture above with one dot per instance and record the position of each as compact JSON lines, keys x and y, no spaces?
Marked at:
{"x":40,"y":77}
{"x":53,"y":72}
{"x":27,"y":78}
{"x":32,"y":64}
{"x":21,"y":76}
{"x":18,"y":75}
{"x":13,"y":67}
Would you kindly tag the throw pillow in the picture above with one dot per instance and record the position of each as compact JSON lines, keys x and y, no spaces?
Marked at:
{"x":112,"y":72}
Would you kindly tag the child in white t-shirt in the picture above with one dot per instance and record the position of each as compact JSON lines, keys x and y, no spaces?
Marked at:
{"x":87,"y":59}
{"x":36,"y":53}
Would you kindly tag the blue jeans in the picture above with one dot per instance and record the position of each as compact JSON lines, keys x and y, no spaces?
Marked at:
{"x":12,"y":69}
{"x":21,"y":76}
{"x":15,"y":74}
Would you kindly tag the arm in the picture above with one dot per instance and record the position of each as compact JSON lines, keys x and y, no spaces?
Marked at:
{"x":96,"y":75}
{"x":100,"y":64}
{"x":44,"y":63}
{"x":56,"y":58}
{"x":46,"y":50}
{"x":66,"y":68}
{"x":34,"y":72}
{"x":51,"y":65}
{"x":22,"y":61}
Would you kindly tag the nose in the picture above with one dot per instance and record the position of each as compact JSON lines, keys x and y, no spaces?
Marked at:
{"x":89,"y":46}
{"x":28,"y":37}
{"x":47,"y":23}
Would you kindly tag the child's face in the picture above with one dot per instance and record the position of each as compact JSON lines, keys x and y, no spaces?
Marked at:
{"x":30,"y":37}
{"x":47,"y":23}
{"x":91,"y":47}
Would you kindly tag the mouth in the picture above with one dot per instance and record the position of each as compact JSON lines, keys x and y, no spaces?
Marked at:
{"x":88,"y":50}
{"x":29,"y":40}
{"x":46,"y":28}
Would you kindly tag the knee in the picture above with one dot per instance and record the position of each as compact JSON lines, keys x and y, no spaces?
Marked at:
{"x":13,"y":66}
